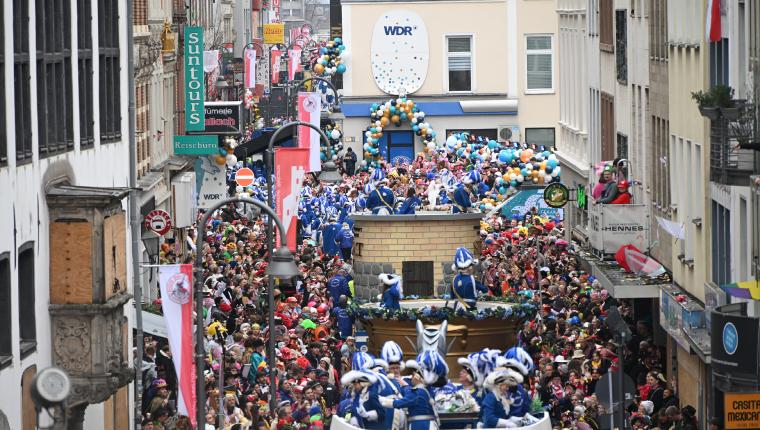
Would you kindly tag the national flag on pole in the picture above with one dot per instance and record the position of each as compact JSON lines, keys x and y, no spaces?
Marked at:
{"x":714,"y":28}
{"x":290,"y":167}
{"x":309,"y":110}
{"x":176,"y":281}
{"x":276,"y":54}
{"x":294,"y":63}
{"x":250,"y":68}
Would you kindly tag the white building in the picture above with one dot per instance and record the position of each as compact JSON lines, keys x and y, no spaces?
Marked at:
{"x":63,"y":141}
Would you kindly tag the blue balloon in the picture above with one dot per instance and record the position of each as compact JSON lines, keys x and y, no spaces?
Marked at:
{"x":403,"y":115}
{"x":338,"y":40}
{"x":492,"y":144}
{"x":504,"y":157}
{"x":341,"y":68}
{"x":513,"y":184}
{"x":551,"y":163}
{"x":432,"y":134}
{"x":415,"y":128}
{"x":548,"y":169}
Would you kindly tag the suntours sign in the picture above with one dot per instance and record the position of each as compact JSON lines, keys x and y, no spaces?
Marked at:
{"x":194,"y":85}
{"x":400,"y":52}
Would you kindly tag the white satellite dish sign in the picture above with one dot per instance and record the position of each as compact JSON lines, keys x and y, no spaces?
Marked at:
{"x":400,"y":52}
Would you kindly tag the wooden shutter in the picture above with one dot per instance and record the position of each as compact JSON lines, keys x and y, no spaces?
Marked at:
{"x":606,"y":39}
{"x":417,"y":278}
{"x":607,"y":103}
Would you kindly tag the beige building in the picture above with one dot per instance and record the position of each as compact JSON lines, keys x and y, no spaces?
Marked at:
{"x":489,"y":66}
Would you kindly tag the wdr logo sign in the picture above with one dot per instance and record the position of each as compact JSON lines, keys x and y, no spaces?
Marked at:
{"x":397,"y":30}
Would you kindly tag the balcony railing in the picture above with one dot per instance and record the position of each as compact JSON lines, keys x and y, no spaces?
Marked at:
{"x":733,"y":134}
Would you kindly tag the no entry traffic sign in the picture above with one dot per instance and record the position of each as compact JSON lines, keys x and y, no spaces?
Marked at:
{"x":244,"y":177}
{"x":158,"y":221}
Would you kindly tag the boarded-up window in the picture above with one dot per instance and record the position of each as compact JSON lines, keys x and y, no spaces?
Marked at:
{"x":28,"y":412}
{"x":607,"y":103}
{"x":71,"y":264}
{"x":115,"y":252}
{"x":417,"y":278}
{"x":606,"y":39}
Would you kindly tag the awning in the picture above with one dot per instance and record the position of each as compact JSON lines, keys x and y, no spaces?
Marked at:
{"x":684,"y":319}
{"x":743,"y":290}
{"x":621,"y":284}
{"x":260,"y":141}
{"x":699,"y":340}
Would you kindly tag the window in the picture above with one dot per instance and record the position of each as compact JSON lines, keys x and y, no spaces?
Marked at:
{"x":658,"y":29}
{"x":397,"y":146}
{"x":622,"y":146}
{"x":459,"y":57}
{"x":6,"y":325}
{"x":141,"y":12}
{"x":719,"y":62}
{"x":486,"y":133}
{"x":26,"y":320}
{"x":660,"y":163}
{"x":621,"y":42}
{"x":86,"y":103}
{"x":607,"y":134}
{"x":605,"y":25}
{"x":110,"y":91}
{"x":22,"y":99}
{"x":54,"y":99}
{"x":721,"y":244}
{"x":538,"y":63}
{"x":540,"y":136}
{"x":3,"y":135}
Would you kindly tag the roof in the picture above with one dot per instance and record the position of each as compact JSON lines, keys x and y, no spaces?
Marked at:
{"x":622,"y":284}
{"x":63,"y":194}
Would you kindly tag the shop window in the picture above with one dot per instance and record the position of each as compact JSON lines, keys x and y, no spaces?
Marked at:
{"x":459,"y":60}
{"x":22,"y":99}
{"x":538,"y":63}
{"x":54,"y":99}
{"x":86,"y":103}
{"x":6,"y":325}
{"x":540,"y":136}
{"x":26,"y":285}
{"x":109,"y":85}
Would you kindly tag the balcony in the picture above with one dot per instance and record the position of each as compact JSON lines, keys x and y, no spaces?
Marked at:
{"x":733,"y":143}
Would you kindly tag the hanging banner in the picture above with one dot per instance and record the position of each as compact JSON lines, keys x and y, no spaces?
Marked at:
{"x":290,"y":166}
{"x":249,"y":79}
{"x":294,"y":63}
{"x":194,"y":83}
{"x":210,"y":182}
{"x":176,"y":282}
{"x":275,"y":55}
{"x":309,"y":110}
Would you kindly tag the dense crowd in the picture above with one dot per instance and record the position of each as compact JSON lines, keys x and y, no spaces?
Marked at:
{"x":523,"y":258}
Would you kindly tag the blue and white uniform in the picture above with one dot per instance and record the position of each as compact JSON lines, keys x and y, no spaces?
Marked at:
{"x":420,"y":411}
{"x":381,"y":201}
{"x":392,"y":292}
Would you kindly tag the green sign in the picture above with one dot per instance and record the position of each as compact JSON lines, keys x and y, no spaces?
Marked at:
{"x":195,"y":114}
{"x":196,"y":145}
{"x":580,"y":197}
{"x":556,"y":195}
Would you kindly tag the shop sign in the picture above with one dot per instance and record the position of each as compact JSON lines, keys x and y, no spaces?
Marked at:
{"x":274,"y":33}
{"x":195,"y":145}
{"x":194,"y":79}
{"x":400,"y":52}
{"x":223,"y":117}
{"x":581,"y":200}
{"x":742,"y":410}
{"x":556,"y":195}
{"x":158,"y":221}
{"x":210,"y":182}
{"x":527,"y":198}
{"x":735,"y":344}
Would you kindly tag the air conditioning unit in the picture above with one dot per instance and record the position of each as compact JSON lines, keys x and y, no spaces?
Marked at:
{"x":508,"y":133}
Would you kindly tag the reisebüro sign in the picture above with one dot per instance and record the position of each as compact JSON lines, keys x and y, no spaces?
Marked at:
{"x":194,"y":85}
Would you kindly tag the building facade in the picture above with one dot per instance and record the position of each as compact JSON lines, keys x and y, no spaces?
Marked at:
{"x":63,"y":170}
{"x":492,"y":73}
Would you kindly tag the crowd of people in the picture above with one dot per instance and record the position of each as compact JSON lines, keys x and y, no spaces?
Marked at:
{"x":523,"y":258}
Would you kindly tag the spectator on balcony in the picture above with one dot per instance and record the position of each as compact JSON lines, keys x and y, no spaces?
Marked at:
{"x":623,"y":197}
{"x":605,"y":181}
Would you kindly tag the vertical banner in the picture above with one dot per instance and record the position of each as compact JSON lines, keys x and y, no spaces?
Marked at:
{"x":195,"y":117}
{"x":309,"y":109}
{"x":176,"y":282}
{"x":249,"y":79}
{"x":294,"y":63}
{"x":290,"y":166}
{"x":275,"y":55}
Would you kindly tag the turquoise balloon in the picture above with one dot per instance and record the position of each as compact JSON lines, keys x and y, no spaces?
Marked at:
{"x":341,"y":68}
{"x":415,"y":128}
{"x":492,"y":144}
{"x":551,"y":163}
{"x":513,"y":184}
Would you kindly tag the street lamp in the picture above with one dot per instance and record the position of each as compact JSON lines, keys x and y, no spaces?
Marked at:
{"x":281,"y":264}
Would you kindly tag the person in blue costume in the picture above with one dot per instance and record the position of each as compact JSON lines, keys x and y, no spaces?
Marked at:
{"x":418,"y":402}
{"x":381,"y":200}
{"x":394,"y":356}
{"x":518,"y":360}
{"x":392,"y":291}
{"x":461,"y":200}
{"x":367,"y":412}
{"x":494,"y":411}
{"x":409,"y":206}
{"x":345,"y":241}
{"x":330,"y":232}
{"x":464,"y":287}
{"x":385,"y":387}
{"x":344,"y":320}
{"x":338,"y":285}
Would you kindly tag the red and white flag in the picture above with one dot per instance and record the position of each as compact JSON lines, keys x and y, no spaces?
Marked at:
{"x":276,"y":54}
{"x":176,"y":281}
{"x":290,"y":167}
{"x":250,"y":68}
{"x":294,"y":63}
{"x":715,"y":23}
{"x":309,"y":110}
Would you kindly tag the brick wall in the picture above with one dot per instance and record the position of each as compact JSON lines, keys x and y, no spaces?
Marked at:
{"x":418,"y":239}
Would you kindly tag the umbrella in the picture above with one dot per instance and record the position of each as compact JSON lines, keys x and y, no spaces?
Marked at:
{"x":633,"y":260}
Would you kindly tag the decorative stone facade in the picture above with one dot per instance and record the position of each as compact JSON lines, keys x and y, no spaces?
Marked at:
{"x":425,"y":237}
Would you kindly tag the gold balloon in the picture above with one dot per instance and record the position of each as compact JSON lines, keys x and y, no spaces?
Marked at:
{"x":395,"y":119}
{"x":319,"y":68}
{"x":384,"y":121}
{"x":221,"y":160}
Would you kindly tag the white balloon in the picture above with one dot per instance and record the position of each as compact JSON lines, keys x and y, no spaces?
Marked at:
{"x":555,"y":172}
{"x":520,"y":178}
{"x":379,"y":128}
{"x":368,"y":133}
{"x":335,"y":134}
{"x":541,"y":173}
{"x":239,"y":189}
{"x":431,"y":145}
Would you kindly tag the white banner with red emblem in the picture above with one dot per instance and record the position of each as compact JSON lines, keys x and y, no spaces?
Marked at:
{"x":310,"y":110}
{"x":176,"y":281}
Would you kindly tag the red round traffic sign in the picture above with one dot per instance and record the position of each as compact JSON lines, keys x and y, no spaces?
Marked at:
{"x":158,"y":221}
{"x":244,"y":177}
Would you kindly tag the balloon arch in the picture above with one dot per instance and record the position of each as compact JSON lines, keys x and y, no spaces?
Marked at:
{"x":394,"y":112}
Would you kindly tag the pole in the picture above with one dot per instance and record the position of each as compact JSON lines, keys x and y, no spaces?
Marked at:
{"x":621,"y":388}
{"x":134,"y":218}
{"x":271,"y":355}
{"x":200,"y":351}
